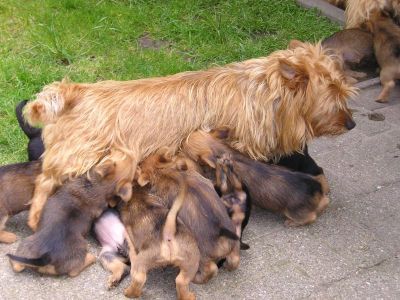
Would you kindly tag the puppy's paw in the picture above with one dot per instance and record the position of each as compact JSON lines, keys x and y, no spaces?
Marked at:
{"x":132,"y":292}
{"x":7,"y":237}
{"x":381,"y":100}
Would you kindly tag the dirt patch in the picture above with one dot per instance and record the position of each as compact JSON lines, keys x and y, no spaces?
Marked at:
{"x":376,"y":117}
{"x":147,"y":42}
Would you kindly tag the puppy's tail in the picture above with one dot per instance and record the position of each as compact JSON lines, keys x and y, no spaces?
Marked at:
{"x":30,"y":131}
{"x":170,"y":223}
{"x":42,"y":261}
{"x":227,"y":233}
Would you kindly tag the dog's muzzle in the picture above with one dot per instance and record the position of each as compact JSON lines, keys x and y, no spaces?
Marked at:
{"x":350,"y":124}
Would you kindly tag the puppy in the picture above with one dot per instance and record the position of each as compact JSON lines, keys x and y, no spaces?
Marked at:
{"x":111,"y":234}
{"x":355,"y":49}
{"x":274,"y":105}
{"x":35,"y":144}
{"x":387,"y":51}
{"x":338,"y":3}
{"x":296,"y":195}
{"x":304,"y":163}
{"x":202,"y":212}
{"x":233,"y":196}
{"x":157,"y":239}
{"x":59,"y":246}
{"x":17,"y":182}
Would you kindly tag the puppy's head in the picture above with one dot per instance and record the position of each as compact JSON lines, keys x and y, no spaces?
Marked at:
{"x":319,"y":90}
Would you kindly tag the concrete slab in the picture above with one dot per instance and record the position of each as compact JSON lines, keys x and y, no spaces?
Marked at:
{"x":330,"y":11}
{"x":351,"y":252}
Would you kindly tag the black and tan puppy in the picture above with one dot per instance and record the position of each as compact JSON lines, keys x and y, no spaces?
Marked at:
{"x":35,"y":144}
{"x":114,"y":255}
{"x":387,"y":50}
{"x":355,"y":48}
{"x":202,"y":212}
{"x":296,"y":195}
{"x":157,"y":239}
{"x":59,"y":246}
{"x":17,"y":183}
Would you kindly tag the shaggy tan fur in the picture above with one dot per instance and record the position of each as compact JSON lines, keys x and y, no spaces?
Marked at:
{"x":274,"y":105}
{"x":360,"y":11}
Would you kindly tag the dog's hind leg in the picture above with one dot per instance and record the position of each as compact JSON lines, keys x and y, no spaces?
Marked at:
{"x":233,"y":258}
{"x":185,"y":276}
{"x":89,"y":260}
{"x":113,"y":264}
{"x":300,"y":218}
{"x":44,"y":187}
{"x":387,"y":81}
{"x":5,"y":236}
{"x":139,"y":269}
{"x":207,"y":270}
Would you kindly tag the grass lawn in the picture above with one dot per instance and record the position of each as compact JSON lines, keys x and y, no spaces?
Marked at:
{"x":88,"y":40}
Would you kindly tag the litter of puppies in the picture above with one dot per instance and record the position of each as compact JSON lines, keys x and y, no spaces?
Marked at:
{"x":181,"y":159}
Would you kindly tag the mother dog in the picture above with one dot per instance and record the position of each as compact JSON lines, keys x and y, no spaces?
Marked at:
{"x":273,"y":105}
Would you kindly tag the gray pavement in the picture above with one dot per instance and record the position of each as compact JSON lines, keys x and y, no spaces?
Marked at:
{"x":351,"y":252}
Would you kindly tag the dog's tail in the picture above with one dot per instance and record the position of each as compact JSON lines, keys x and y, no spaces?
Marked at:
{"x":42,"y":261}
{"x":228,"y":233}
{"x":30,"y":131}
{"x":170,"y":223}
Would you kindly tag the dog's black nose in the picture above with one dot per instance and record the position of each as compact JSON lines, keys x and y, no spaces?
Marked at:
{"x":350,"y":124}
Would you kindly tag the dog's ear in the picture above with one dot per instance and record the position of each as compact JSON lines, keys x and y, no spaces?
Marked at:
{"x":220,"y":133}
{"x":105,"y":170}
{"x":181,"y":165}
{"x":293,"y":44}
{"x":142,"y":178}
{"x":125,"y":191}
{"x":209,"y":159}
{"x":293,"y":73}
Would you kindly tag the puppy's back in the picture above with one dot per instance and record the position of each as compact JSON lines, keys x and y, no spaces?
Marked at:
{"x":17,"y":183}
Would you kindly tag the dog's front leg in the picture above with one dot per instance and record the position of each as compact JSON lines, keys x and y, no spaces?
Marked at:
{"x":43,"y":189}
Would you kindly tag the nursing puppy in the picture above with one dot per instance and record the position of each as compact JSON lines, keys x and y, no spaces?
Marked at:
{"x":17,"y":182}
{"x":296,"y":195}
{"x":35,"y":144}
{"x":114,"y":255}
{"x":157,"y":239}
{"x":59,"y":246}
{"x":202,"y":212}
{"x":274,"y":105}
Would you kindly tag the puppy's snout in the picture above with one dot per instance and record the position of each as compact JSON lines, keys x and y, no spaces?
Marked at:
{"x":350,"y":124}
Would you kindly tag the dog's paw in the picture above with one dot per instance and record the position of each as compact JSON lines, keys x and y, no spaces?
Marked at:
{"x":381,"y":100}
{"x":132,"y":292}
{"x":7,"y":237}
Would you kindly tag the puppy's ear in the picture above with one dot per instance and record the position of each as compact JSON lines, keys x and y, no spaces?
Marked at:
{"x":220,"y":133}
{"x":105,"y":170}
{"x":181,"y":165}
{"x":209,"y":159}
{"x":293,"y":44}
{"x":125,"y":191}
{"x":142,"y":178}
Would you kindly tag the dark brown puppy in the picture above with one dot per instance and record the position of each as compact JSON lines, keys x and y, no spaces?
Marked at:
{"x":355,"y":48}
{"x":17,"y":182}
{"x":296,"y":195}
{"x":387,"y":51}
{"x":202,"y":212}
{"x":59,"y":246}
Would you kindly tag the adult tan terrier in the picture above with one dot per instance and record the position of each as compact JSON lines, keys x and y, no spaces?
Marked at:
{"x":359,"y":11}
{"x":273,"y":105}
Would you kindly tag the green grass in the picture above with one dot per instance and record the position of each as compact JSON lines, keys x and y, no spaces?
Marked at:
{"x":88,"y":40}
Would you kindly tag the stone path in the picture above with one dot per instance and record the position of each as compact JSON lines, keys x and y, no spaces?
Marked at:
{"x":351,"y":252}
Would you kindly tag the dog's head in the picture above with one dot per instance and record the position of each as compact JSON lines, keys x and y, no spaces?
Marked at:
{"x":319,"y":91}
